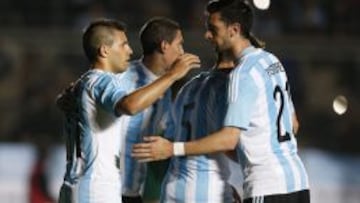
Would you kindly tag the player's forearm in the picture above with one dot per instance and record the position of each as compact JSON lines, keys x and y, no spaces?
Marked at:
{"x":220,"y":141}
{"x":157,"y":148}
{"x":145,"y":96}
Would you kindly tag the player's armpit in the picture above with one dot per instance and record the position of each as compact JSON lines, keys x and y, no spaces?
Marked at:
{"x":232,"y":155}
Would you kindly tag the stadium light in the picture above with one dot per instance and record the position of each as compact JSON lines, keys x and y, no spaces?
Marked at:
{"x":340,"y":104}
{"x":261,"y":4}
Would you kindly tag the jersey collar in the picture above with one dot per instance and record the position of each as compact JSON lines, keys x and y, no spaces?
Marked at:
{"x":245,"y":52}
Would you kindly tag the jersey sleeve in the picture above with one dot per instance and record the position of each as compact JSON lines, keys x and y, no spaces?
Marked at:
{"x":108,"y":90}
{"x":241,"y":99}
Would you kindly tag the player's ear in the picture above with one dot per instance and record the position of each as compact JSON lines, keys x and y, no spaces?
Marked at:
{"x":164,"y":45}
{"x":103,"y":51}
{"x":234,"y":29}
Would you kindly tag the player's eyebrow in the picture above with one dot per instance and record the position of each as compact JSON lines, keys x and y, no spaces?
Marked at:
{"x":211,"y":27}
{"x":125,"y":43}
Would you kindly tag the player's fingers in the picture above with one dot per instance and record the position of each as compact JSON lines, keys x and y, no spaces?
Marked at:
{"x":151,"y":138}
{"x":141,"y":147}
{"x":141,"y":150}
{"x":187,"y":54}
{"x":190,"y":58}
{"x":141,"y":155}
{"x":193,"y":63}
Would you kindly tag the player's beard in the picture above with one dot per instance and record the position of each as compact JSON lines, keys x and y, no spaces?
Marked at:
{"x":225,"y":47}
{"x":224,"y":50}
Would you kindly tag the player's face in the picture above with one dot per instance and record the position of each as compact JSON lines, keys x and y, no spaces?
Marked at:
{"x":174,"y":49}
{"x":217,"y":32}
{"x":119,"y":52}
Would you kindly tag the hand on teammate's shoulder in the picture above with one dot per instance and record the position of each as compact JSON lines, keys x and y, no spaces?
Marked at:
{"x":183,"y":65}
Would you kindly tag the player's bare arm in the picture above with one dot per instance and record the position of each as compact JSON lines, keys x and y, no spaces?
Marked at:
{"x":157,"y":148}
{"x":145,"y":96}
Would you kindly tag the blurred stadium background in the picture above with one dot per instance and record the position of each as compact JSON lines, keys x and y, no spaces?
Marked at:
{"x":40,"y":53}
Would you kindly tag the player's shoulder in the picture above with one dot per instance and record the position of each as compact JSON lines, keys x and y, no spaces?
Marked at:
{"x":248,"y":62}
{"x":193,"y":83}
{"x":198,"y":78}
{"x":93,"y":75}
{"x":202,"y":75}
{"x":99,"y":79}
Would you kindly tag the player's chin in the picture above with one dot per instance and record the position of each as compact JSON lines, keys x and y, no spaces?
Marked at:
{"x":126,"y":64}
{"x":123,"y":67}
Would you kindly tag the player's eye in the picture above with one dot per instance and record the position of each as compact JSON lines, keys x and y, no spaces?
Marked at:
{"x":212,"y":29}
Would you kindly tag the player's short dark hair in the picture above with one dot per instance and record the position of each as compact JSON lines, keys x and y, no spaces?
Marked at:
{"x":100,"y":32}
{"x":235,"y":11}
{"x":156,"y":30}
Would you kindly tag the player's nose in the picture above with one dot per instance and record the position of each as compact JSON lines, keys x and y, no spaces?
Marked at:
{"x":208,"y":35}
{"x":130,"y":51}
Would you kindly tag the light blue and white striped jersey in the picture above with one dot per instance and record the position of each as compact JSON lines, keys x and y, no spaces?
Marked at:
{"x":199,"y":110}
{"x":260,"y":104}
{"x":93,"y":142}
{"x":151,"y":121}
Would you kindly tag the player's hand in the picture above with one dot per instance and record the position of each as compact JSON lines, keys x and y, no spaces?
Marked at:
{"x":153,"y":149}
{"x":296,"y":124}
{"x":66,"y":101}
{"x":183,"y":65}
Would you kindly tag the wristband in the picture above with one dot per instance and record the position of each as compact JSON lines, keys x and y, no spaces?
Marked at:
{"x":179,"y":149}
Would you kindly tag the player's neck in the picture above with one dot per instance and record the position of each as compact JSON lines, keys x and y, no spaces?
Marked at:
{"x":240,"y":46}
{"x":225,"y":65}
{"x":106,"y":66}
{"x":225,"y":61}
{"x":154,"y":64}
{"x":101,"y":65}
